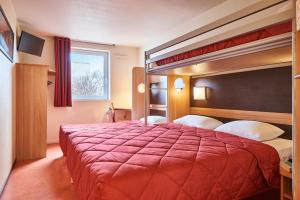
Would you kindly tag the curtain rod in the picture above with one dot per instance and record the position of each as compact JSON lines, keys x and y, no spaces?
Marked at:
{"x":98,"y":43}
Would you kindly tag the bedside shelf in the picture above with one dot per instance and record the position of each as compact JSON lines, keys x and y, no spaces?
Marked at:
{"x":286,"y":182}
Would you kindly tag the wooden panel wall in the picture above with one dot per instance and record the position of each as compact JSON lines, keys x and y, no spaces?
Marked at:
{"x":266,"y":90}
{"x":277,"y":118}
{"x":262,"y":95}
{"x":178,"y":101}
{"x":31,"y":111}
{"x":138,"y":99}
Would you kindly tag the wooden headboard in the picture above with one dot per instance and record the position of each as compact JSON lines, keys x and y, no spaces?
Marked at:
{"x":262,"y":95}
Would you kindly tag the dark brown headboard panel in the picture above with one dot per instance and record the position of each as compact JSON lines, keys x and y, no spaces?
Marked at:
{"x":158,"y":112}
{"x":267,"y":90}
{"x":158,"y":92}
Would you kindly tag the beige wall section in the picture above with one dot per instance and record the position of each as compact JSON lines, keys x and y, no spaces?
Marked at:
{"x":7,"y":142}
{"x":122,"y":61}
{"x":141,"y":58}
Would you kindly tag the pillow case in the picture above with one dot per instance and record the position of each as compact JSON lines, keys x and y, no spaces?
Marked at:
{"x":284,"y":147}
{"x":254,"y":130}
{"x":198,"y":121}
{"x":154,"y":119}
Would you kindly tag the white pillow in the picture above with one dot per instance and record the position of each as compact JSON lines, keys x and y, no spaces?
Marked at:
{"x":154,"y":119}
{"x":284,"y":147}
{"x":254,"y":130}
{"x":198,"y":121}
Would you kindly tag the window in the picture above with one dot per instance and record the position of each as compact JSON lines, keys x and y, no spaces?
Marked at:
{"x":90,"y":75}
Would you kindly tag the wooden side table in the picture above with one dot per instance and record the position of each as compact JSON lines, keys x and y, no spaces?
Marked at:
{"x":122,"y":114}
{"x":118,"y":114}
{"x":286,"y":191}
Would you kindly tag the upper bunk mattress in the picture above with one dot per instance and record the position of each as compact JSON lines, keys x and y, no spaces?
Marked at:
{"x":128,"y":160}
{"x":266,"y":32}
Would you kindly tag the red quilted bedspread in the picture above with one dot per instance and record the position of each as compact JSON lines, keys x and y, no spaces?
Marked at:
{"x":128,"y":160}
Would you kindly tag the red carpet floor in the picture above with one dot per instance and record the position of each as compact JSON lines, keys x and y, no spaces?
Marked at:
{"x":46,"y":179}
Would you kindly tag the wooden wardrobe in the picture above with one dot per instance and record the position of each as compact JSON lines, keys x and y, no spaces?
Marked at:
{"x":31,"y":111}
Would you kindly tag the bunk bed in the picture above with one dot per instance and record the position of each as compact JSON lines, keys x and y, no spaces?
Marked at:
{"x":134,"y":160}
{"x":249,"y":48}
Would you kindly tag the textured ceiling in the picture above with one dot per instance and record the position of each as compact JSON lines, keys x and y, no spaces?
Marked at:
{"x":126,"y":22}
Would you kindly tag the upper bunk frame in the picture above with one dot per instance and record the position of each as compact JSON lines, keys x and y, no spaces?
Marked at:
{"x":282,"y":14}
{"x":151,"y":56}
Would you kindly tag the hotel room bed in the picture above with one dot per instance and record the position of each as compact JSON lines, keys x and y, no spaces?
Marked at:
{"x":128,"y":160}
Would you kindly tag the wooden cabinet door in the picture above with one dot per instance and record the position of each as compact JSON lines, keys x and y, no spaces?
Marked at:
{"x":31,"y":111}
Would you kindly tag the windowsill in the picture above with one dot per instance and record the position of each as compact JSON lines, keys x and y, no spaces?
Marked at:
{"x":87,"y":100}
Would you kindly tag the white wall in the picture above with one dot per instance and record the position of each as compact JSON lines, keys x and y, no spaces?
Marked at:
{"x":47,"y":57}
{"x":6,"y":102}
{"x":122,"y":60}
{"x":141,"y":57}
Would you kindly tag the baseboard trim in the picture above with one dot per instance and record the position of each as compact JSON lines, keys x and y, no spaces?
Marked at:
{"x":3,"y":188}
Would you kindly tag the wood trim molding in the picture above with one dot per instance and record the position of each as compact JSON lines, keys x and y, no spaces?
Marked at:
{"x":277,"y":118}
{"x":296,"y":99}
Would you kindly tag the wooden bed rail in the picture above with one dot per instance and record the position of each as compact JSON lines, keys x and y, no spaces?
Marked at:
{"x":271,"y":117}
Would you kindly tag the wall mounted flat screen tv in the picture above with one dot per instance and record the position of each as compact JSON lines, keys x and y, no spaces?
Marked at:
{"x":31,"y":44}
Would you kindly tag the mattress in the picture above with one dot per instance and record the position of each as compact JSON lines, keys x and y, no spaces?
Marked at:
{"x":128,"y":160}
{"x":284,"y":147}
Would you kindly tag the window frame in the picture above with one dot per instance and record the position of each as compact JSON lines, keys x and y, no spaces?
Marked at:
{"x":107,"y":79}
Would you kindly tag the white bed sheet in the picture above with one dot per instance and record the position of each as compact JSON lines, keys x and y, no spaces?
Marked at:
{"x":284,"y":147}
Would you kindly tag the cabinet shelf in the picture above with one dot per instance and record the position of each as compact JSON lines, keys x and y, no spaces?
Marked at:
{"x":51,"y":72}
